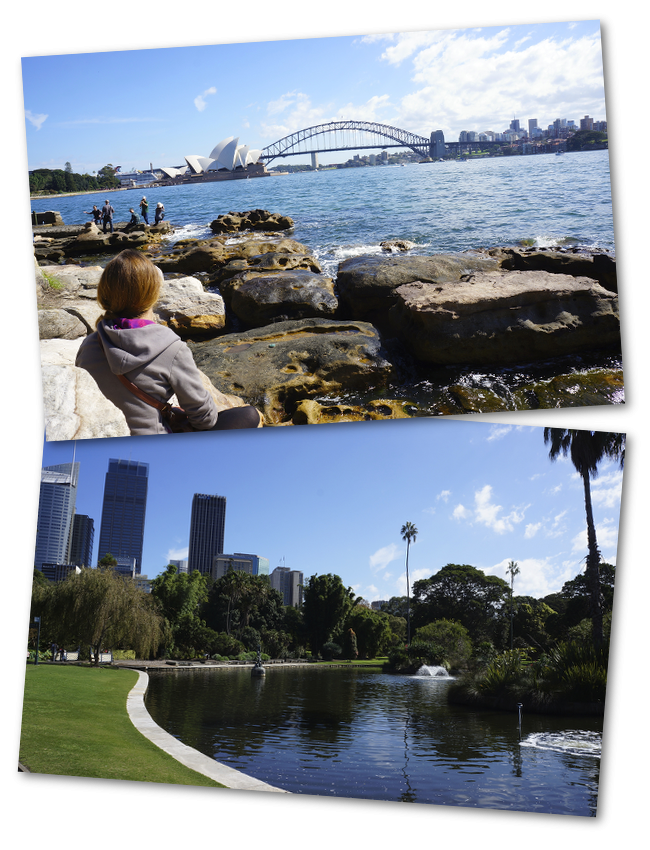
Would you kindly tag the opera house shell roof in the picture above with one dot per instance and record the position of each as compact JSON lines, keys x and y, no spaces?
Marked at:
{"x":228,"y":155}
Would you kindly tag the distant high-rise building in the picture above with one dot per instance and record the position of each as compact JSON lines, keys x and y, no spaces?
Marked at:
{"x":123,"y":512}
{"x":207,"y":531}
{"x":55,"y":514}
{"x":83,"y":536}
{"x":289,"y":582}
{"x":532,"y":125}
{"x":181,"y":565}
{"x":254,"y":565}
{"x":514,"y":125}
{"x":586,"y":123}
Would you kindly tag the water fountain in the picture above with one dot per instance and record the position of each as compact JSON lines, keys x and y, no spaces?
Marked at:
{"x":432,"y":670}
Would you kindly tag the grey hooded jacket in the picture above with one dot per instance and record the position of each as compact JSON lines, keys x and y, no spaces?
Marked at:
{"x":157,"y":361}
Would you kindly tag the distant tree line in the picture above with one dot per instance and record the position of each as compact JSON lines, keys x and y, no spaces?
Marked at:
{"x":460,"y":617}
{"x":59,"y":180}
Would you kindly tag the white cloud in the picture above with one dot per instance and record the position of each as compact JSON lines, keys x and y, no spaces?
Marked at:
{"x":532,"y":529}
{"x":606,"y":535}
{"x":294,"y":111}
{"x":36,"y":120}
{"x":465,"y":79}
{"x":383,"y":557}
{"x":461,"y":512}
{"x":606,"y":490}
{"x":537,"y":576}
{"x":497,"y":432}
{"x":199,"y":100}
{"x":487,"y":513}
{"x":177,"y":554}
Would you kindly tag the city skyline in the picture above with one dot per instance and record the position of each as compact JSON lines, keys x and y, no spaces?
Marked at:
{"x":472,"y":79}
{"x":478,"y":493}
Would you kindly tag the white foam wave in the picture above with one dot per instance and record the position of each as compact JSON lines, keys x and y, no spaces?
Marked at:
{"x":576,"y":743}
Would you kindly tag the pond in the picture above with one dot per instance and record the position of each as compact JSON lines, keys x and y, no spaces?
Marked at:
{"x":340,"y":732}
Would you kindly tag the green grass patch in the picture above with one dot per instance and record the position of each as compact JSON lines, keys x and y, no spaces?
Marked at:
{"x":75,"y":723}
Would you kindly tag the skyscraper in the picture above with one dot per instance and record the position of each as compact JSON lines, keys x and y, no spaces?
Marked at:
{"x":123,"y":511}
{"x":289,"y":583}
{"x":83,"y":536}
{"x":55,"y":514}
{"x":207,"y":530}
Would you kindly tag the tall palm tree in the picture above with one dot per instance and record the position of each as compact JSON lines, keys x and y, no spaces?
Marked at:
{"x":512,"y":570}
{"x":409,"y":532}
{"x":587,"y":449}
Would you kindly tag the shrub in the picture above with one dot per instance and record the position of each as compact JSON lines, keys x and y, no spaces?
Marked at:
{"x":331,"y":650}
{"x":505,"y":671}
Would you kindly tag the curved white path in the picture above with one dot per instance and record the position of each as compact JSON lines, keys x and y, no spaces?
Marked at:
{"x":188,"y":756}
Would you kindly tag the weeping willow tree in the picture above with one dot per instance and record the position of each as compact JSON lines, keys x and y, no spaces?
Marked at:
{"x":100,"y":608}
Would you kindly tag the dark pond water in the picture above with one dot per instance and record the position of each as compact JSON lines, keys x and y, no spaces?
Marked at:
{"x":368,"y":735}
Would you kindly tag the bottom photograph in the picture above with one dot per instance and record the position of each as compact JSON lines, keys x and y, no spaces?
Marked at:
{"x":417,"y":615}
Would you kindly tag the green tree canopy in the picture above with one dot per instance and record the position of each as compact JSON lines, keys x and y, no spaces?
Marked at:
{"x":452,"y":641}
{"x":326,"y":603}
{"x":237,"y":601}
{"x":464,"y":594}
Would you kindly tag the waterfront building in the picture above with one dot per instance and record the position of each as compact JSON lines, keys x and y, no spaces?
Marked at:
{"x":123,"y":513}
{"x":207,"y":531}
{"x":56,"y":506}
{"x":586,"y":123}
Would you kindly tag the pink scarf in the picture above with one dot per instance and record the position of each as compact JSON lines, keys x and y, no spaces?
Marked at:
{"x":127,"y":324}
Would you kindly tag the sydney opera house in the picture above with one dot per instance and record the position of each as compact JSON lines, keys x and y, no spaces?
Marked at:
{"x":228,"y":159}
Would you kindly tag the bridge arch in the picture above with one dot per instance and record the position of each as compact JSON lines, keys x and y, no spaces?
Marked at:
{"x":345,"y":135}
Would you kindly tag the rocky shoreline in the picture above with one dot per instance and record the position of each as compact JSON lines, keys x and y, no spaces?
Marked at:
{"x":268,"y":327}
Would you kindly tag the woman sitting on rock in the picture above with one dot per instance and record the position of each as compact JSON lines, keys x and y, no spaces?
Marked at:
{"x":129,"y":342}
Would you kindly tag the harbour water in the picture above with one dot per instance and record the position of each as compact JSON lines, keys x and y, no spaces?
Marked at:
{"x":541,"y":200}
{"x":369,"y":735}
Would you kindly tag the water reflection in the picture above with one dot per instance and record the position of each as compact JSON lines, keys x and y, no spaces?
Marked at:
{"x":355,"y":733}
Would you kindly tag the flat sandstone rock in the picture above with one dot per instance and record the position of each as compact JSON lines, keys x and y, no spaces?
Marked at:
{"x":505,"y":317}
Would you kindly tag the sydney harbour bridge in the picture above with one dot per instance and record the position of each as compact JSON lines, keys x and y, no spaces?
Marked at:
{"x":361,"y":135}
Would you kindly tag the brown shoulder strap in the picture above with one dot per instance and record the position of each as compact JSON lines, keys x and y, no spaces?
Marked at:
{"x":135,"y":389}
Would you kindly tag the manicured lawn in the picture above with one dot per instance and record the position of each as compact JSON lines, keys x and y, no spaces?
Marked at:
{"x":75,"y":723}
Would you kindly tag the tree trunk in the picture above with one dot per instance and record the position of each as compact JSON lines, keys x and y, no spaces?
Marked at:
{"x":408,"y":597}
{"x":593,"y":569}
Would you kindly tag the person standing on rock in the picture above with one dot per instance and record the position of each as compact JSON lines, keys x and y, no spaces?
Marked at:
{"x":107,"y":215}
{"x":160,"y":213}
{"x":129,"y":342}
{"x":144,"y":210}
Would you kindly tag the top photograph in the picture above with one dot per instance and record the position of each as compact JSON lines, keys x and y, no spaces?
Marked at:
{"x":323,"y":230}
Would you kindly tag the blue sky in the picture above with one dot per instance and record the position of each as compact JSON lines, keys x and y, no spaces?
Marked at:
{"x":333,"y":499}
{"x":136,"y":107}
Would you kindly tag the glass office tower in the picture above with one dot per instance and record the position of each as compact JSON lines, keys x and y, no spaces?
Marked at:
{"x":123,"y":511}
{"x":207,"y":530}
{"x":55,"y":514}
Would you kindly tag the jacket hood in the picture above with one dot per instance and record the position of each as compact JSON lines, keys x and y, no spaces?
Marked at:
{"x":134,"y":348}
